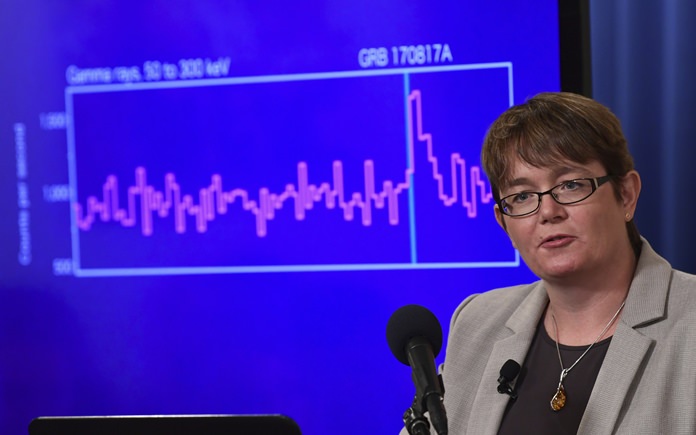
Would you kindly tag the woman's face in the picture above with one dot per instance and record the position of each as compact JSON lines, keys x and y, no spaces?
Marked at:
{"x":562,"y":242}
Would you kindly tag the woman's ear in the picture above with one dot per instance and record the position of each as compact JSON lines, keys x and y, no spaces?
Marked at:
{"x":500,"y":218}
{"x":630,"y":191}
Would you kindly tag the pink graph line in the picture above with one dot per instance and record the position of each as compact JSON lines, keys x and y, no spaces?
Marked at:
{"x":213,"y":200}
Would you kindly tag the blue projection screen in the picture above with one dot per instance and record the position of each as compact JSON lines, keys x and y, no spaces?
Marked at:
{"x":214,"y":207}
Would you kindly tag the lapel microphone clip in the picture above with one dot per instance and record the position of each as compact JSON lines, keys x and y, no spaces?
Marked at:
{"x":508,"y":372}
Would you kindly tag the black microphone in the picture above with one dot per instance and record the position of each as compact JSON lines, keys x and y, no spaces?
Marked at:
{"x":508,"y":372}
{"x":415,"y":338}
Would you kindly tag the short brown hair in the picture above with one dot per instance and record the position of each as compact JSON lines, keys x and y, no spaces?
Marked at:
{"x":553,"y":127}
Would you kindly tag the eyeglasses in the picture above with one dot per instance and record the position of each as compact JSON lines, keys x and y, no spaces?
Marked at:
{"x":567,"y":192}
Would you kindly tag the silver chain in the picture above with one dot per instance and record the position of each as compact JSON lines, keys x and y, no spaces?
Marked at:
{"x":564,"y":371}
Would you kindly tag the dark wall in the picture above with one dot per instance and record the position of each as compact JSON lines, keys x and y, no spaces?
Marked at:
{"x":644,"y":69}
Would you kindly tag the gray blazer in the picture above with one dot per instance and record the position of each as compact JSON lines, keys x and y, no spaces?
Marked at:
{"x":647,"y":383}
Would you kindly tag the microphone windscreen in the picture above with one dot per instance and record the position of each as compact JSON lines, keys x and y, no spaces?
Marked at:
{"x":509,"y":370}
{"x":412,"y":321}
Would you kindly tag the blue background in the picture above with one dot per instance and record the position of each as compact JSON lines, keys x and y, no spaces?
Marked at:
{"x":310,"y":345}
{"x":644,"y":61}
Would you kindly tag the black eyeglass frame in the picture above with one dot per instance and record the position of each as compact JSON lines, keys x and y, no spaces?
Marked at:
{"x":596,"y":182}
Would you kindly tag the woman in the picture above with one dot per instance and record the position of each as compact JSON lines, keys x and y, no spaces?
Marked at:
{"x":605,"y":337}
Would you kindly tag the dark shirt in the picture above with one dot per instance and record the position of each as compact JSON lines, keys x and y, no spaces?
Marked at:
{"x":537,"y":383}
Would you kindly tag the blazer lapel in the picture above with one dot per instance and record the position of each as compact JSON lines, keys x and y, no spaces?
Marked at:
{"x":646,"y":303}
{"x":621,"y":364}
{"x":489,"y":405}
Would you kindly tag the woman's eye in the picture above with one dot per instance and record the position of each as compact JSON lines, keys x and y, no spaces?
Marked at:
{"x":571,"y":185}
{"x":521,"y":197}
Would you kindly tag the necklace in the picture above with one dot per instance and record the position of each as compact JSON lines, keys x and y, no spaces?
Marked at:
{"x":559,"y":399}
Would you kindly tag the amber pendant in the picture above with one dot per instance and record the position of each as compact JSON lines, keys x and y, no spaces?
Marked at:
{"x":558,"y":400}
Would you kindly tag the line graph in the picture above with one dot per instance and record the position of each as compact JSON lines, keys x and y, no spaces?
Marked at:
{"x":467,"y":189}
{"x":389,"y":212}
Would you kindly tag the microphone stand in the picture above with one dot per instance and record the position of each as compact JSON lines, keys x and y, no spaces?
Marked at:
{"x":415,"y":421}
